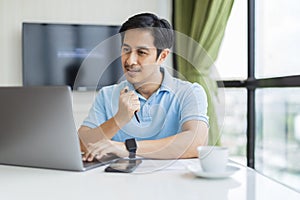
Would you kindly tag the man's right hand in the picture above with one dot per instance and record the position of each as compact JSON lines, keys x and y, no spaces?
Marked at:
{"x":128,"y":104}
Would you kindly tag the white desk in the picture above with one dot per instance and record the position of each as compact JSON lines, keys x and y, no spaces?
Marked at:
{"x":173,"y":182}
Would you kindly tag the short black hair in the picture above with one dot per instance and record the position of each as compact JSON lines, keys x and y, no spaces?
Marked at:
{"x":160,"y":29}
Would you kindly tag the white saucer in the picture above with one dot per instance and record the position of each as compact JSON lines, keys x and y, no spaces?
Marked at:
{"x":197,"y":171}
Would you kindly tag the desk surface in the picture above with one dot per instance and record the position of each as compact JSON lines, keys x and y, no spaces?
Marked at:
{"x":152,"y":180}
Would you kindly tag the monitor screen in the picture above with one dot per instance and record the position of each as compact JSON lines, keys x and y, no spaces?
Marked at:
{"x":81,"y":56}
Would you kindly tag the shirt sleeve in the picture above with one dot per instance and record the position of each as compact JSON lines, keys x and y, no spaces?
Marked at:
{"x":97,"y":114}
{"x":194,"y":104}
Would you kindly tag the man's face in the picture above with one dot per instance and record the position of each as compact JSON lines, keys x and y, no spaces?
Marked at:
{"x":139,"y":57}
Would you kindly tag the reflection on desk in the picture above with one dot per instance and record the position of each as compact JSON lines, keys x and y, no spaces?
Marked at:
{"x":154,"y":179}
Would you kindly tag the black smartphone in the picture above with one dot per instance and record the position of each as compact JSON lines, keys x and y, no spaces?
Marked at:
{"x":123,"y":165}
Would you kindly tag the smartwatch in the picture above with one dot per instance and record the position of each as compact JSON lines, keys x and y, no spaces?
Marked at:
{"x":131,"y":146}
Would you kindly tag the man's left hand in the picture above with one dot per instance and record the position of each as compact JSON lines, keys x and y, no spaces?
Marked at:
{"x":104,"y":147}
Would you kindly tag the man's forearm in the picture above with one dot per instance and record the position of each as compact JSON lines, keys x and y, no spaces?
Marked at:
{"x":105,"y":131}
{"x":181,"y":145}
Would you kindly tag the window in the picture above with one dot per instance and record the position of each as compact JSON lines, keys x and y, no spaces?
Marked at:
{"x":278,"y":109}
{"x":232,"y":65}
{"x":260,"y":71}
{"x":278,"y":134}
{"x":232,"y":59}
{"x":235,"y":124}
{"x":277,"y":38}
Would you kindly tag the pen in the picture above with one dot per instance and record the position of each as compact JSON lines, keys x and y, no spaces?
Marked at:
{"x":137,"y":119}
{"x":135,"y":112}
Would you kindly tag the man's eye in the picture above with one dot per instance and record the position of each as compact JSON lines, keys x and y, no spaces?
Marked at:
{"x":126,"y":50}
{"x":142,"y":53}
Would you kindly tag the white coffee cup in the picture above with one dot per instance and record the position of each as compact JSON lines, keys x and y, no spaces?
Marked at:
{"x":213,"y":158}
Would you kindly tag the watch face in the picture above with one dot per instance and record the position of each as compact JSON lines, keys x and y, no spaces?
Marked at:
{"x":130,"y":144}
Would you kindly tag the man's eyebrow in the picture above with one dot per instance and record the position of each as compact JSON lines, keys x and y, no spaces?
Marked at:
{"x":126,"y":45}
{"x":146,"y":48}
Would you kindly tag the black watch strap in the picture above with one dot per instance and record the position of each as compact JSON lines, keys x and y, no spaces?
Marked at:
{"x":131,"y":146}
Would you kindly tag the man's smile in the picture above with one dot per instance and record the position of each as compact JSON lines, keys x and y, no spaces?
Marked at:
{"x":132,"y":71}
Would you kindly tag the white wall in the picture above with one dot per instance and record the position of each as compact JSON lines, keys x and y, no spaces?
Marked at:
{"x":14,"y":12}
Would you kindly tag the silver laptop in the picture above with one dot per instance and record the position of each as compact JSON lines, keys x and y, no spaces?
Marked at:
{"x":37,"y":129}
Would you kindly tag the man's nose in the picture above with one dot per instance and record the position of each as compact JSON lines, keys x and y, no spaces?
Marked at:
{"x":132,"y":59}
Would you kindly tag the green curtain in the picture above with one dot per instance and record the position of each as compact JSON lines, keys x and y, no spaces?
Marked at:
{"x":204,"y":23}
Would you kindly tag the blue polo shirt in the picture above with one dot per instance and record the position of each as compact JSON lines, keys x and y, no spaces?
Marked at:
{"x":161,"y":115}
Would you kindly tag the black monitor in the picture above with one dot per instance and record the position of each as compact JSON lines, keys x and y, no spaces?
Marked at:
{"x":55,"y":54}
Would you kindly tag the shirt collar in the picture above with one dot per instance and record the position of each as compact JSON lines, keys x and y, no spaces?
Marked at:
{"x":167,"y":83}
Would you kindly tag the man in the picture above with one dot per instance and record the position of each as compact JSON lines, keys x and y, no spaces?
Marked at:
{"x":166,"y":116}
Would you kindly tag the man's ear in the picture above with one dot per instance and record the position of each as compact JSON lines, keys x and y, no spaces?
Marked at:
{"x":163,"y":55}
